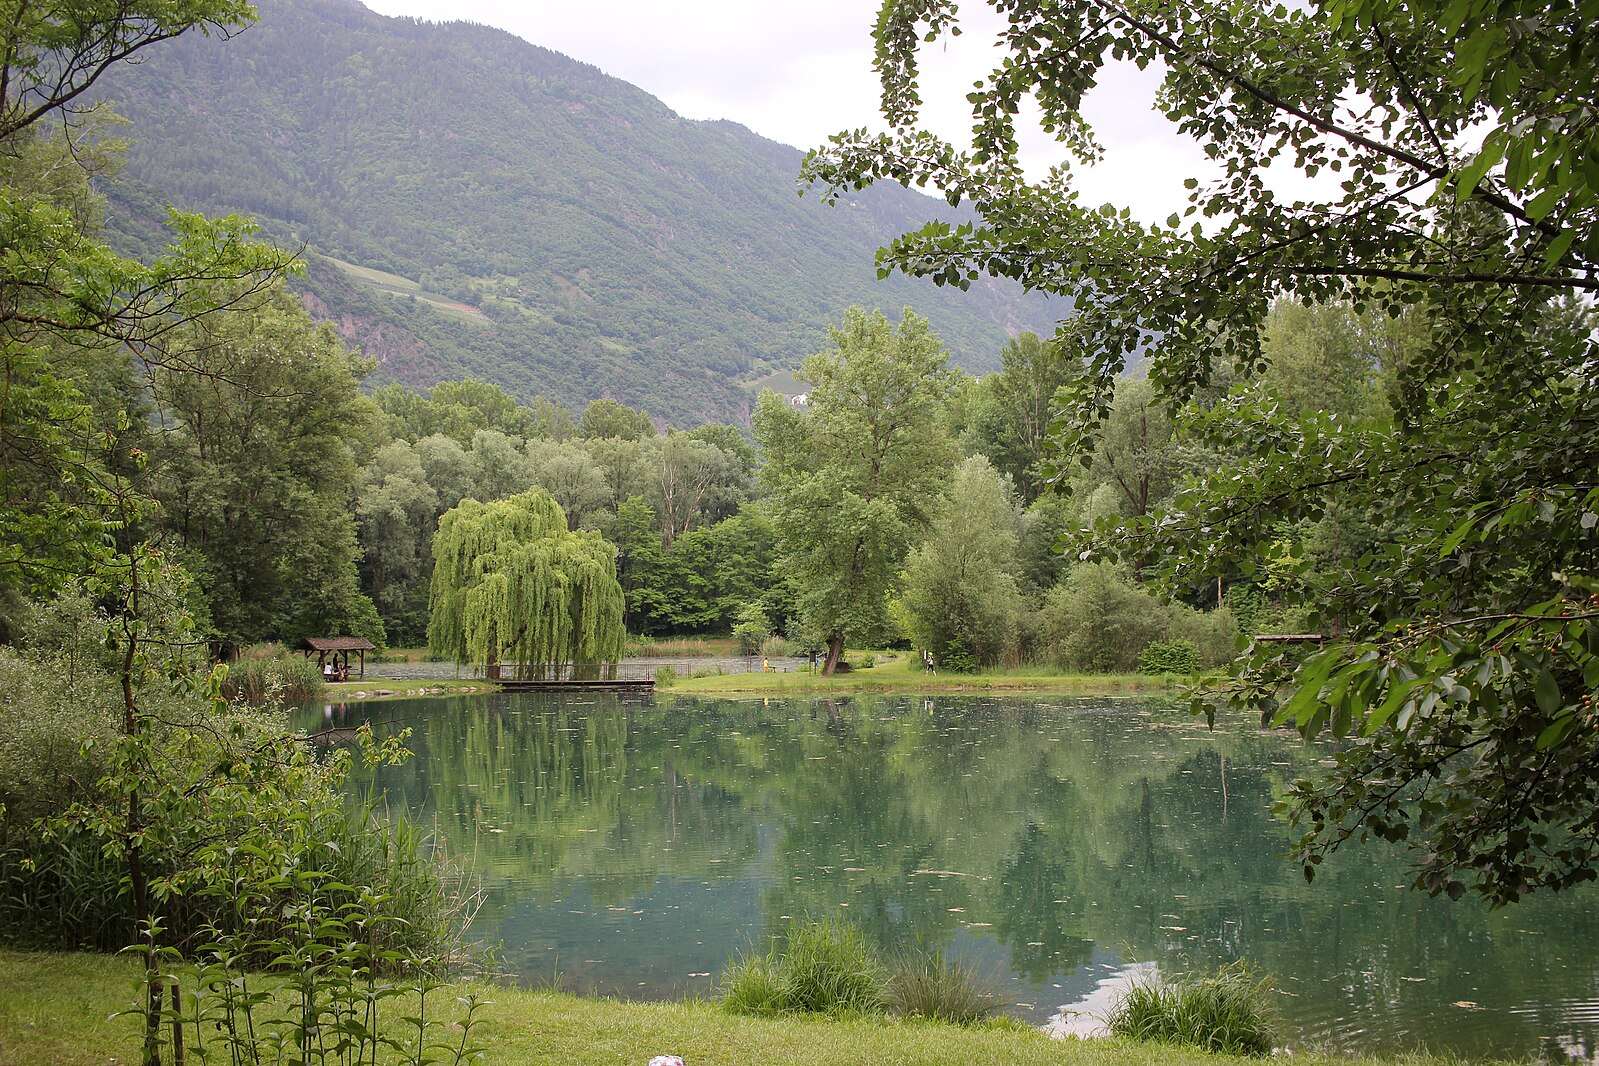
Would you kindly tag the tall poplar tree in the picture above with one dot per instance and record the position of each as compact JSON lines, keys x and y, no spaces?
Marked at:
{"x":512,"y":584}
{"x":856,"y":472}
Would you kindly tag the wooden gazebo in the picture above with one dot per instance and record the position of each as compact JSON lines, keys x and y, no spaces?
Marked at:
{"x":333,"y":654}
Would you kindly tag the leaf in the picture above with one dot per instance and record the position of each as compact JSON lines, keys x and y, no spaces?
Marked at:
{"x":1546,"y":690}
{"x":1555,"y":732}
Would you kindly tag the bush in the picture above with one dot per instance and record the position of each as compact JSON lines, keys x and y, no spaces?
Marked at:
{"x":752,"y":628}
{"x":1226,"y":1011}
{"x":1169,"y":657}
{"x":774,"y":647}
{"x":925,"y":985}
{"x":206,"y":790}
{"x":1214,"y":634}
{"x":1097,"y":619}
{"x":269,"y":673}
{"x":825,"y":968}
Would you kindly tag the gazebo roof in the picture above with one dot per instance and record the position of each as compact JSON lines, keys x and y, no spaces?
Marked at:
{"x":337,"y":644}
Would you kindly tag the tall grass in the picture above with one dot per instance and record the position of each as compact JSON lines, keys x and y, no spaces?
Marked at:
{"x":669,"y":648}
{"x":1226,"y":1011}
{"x":269,"y":673}
{"x":927,"y":985}
{"x":824,"y":968}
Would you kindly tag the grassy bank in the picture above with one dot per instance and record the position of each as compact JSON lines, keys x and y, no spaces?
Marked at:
{"x":906,"y":675}
{"x":55,"y":1008}
{"x":389,"y":688}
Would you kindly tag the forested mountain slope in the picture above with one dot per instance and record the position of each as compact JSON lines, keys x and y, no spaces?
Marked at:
{"x":498,"y":210}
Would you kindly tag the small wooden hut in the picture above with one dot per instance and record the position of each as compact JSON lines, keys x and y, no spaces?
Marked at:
{"x":333,"y":654}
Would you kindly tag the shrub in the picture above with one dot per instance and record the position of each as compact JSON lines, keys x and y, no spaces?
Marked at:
{"x":1226,"y":1011}
{"x":268,"y":673}
{"x":1097,"y":619}
{"x":665,"y":675}
{"x":825,"y":968}
{"x":774,"y":647}
{"x":925,"y":985}
{"x":752,"y":628}
{"x":243,"y":773}
{"x":1169,"y":657}
{"x":1214,"y":634}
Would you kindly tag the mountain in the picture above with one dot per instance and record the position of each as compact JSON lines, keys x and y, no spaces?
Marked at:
{"x":475,"y":205}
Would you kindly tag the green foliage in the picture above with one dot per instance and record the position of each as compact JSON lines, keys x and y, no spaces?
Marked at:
{"x":925,"y":984}
{"x":1096,"y":619}
{"x":1460,"y":662}
{"x":855,"y":473}
{"x":302,"y":954}
{"x":751,"y":629}
{"x":1177,"y":656}
{"x":277,"y":677}
{"x":607,"y":419}
{"x":1011,"y":412}
{"x":512,"y":584}
{"x":960,"y":586}
{"x":222,"y":776}
{"x":823,"y":968}
{"x":1227,"y":1012}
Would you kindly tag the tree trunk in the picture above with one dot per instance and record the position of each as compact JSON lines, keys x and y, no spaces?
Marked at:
{"x":835,"y":652}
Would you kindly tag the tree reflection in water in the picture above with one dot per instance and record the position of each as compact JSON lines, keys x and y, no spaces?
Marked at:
{"x":633,"y":845}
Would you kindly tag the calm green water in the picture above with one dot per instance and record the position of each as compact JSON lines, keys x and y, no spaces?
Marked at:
{"x":630,"y":846}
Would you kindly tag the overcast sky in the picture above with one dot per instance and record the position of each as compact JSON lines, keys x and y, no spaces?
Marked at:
{"x":796,"y":73}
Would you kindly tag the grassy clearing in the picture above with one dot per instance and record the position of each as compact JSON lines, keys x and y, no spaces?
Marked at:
{"x":54,"y":1010}
{"x":395,"y":285}
{"x":905,"y":674}
{"x":391,"y":689}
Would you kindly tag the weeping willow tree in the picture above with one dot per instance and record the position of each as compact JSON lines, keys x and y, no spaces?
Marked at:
{"x":512,"y":585}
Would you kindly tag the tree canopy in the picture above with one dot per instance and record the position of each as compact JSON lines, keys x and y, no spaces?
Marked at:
{"x":856,"y":473}
{"x":512,"y":584}
{"x":1448,"y":156}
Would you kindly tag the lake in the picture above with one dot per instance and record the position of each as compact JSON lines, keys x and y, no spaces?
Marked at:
{"x":630,"y":846}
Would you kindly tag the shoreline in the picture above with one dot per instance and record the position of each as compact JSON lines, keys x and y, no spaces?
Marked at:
{"x":897,"y":678}
{"x":58,"y":1007}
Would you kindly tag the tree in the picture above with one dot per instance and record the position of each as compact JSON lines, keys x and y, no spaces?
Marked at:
{"x":960,"y":584}
{"x":512,"y":584}
{"x":854,"y":474}
{"x":607,"y":419}
{"x":61,"y":288}
{"x":398,"y":511}
{"x":1448,"y":150}
{"x":1137,"y":452}
{"x":255,"y":473}
{"x":568,"y":473}
{"x":1015,"y":407}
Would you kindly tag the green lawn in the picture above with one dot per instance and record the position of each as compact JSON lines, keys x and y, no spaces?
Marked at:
{"x":904,"y":674}
{"x":55,"y":1009}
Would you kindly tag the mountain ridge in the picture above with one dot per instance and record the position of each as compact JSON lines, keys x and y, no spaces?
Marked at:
{"x":537,"y":222}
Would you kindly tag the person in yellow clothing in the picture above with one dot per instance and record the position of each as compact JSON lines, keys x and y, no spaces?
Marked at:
{"x":766,"y":666}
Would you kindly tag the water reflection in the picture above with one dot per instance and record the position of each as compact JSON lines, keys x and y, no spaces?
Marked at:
{"x":631,"y":846}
